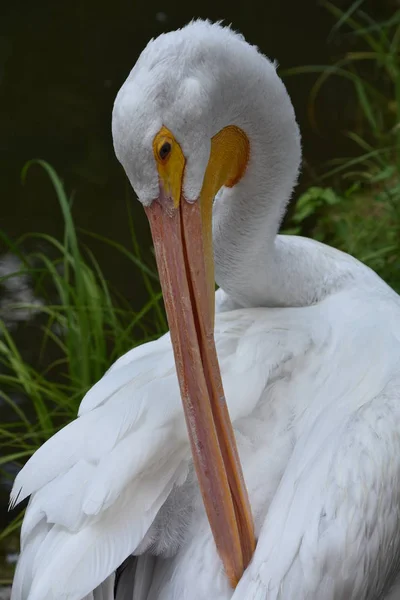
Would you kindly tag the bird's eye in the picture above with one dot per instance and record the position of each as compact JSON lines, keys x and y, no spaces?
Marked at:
{"x":164,"y":150}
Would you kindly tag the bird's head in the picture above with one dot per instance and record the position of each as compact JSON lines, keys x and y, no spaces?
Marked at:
{"x":203,"y":109}
{"x":173,"y":136}
{"x":174,"y":94}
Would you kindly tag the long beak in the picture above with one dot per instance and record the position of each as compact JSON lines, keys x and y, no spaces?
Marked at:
{"x":188,"y":293}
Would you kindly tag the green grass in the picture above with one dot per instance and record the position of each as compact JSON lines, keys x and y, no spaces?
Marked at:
{"x":362,"y":215}
{"x":83,"y":325}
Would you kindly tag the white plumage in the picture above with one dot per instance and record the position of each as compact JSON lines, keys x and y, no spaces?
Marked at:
{"x":311,"y":376}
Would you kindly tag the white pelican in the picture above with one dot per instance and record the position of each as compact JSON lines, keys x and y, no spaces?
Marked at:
{"x":308,"y":343}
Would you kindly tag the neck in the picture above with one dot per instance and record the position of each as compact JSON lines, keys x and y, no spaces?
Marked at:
{"x":247,"y":216}
{"x":253,"y":265}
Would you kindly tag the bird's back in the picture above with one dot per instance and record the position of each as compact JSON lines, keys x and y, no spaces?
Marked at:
{"x":313,"y":393}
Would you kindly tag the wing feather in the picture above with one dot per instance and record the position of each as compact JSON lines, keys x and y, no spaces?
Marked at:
{"x":67,"y":564}
{"x":98,"y":485}
{"x":343,"y":540}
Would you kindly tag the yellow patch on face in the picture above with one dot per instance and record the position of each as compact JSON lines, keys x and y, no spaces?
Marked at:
{"x":230,"y":152}
{"x":170,"y":163}
{"x":229,"y":155}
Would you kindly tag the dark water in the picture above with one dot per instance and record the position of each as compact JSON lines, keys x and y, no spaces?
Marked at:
{"x":61,"y":65}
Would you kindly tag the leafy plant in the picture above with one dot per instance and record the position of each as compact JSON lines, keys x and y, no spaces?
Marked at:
{"x":364,"y":224}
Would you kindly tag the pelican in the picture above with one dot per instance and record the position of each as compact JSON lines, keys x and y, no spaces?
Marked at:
{"x":295,"y":492}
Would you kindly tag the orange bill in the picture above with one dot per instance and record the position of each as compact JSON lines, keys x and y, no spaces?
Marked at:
{"x":188,"y":290}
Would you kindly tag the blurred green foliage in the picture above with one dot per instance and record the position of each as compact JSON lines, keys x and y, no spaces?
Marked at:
{"x":359,"y":212}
